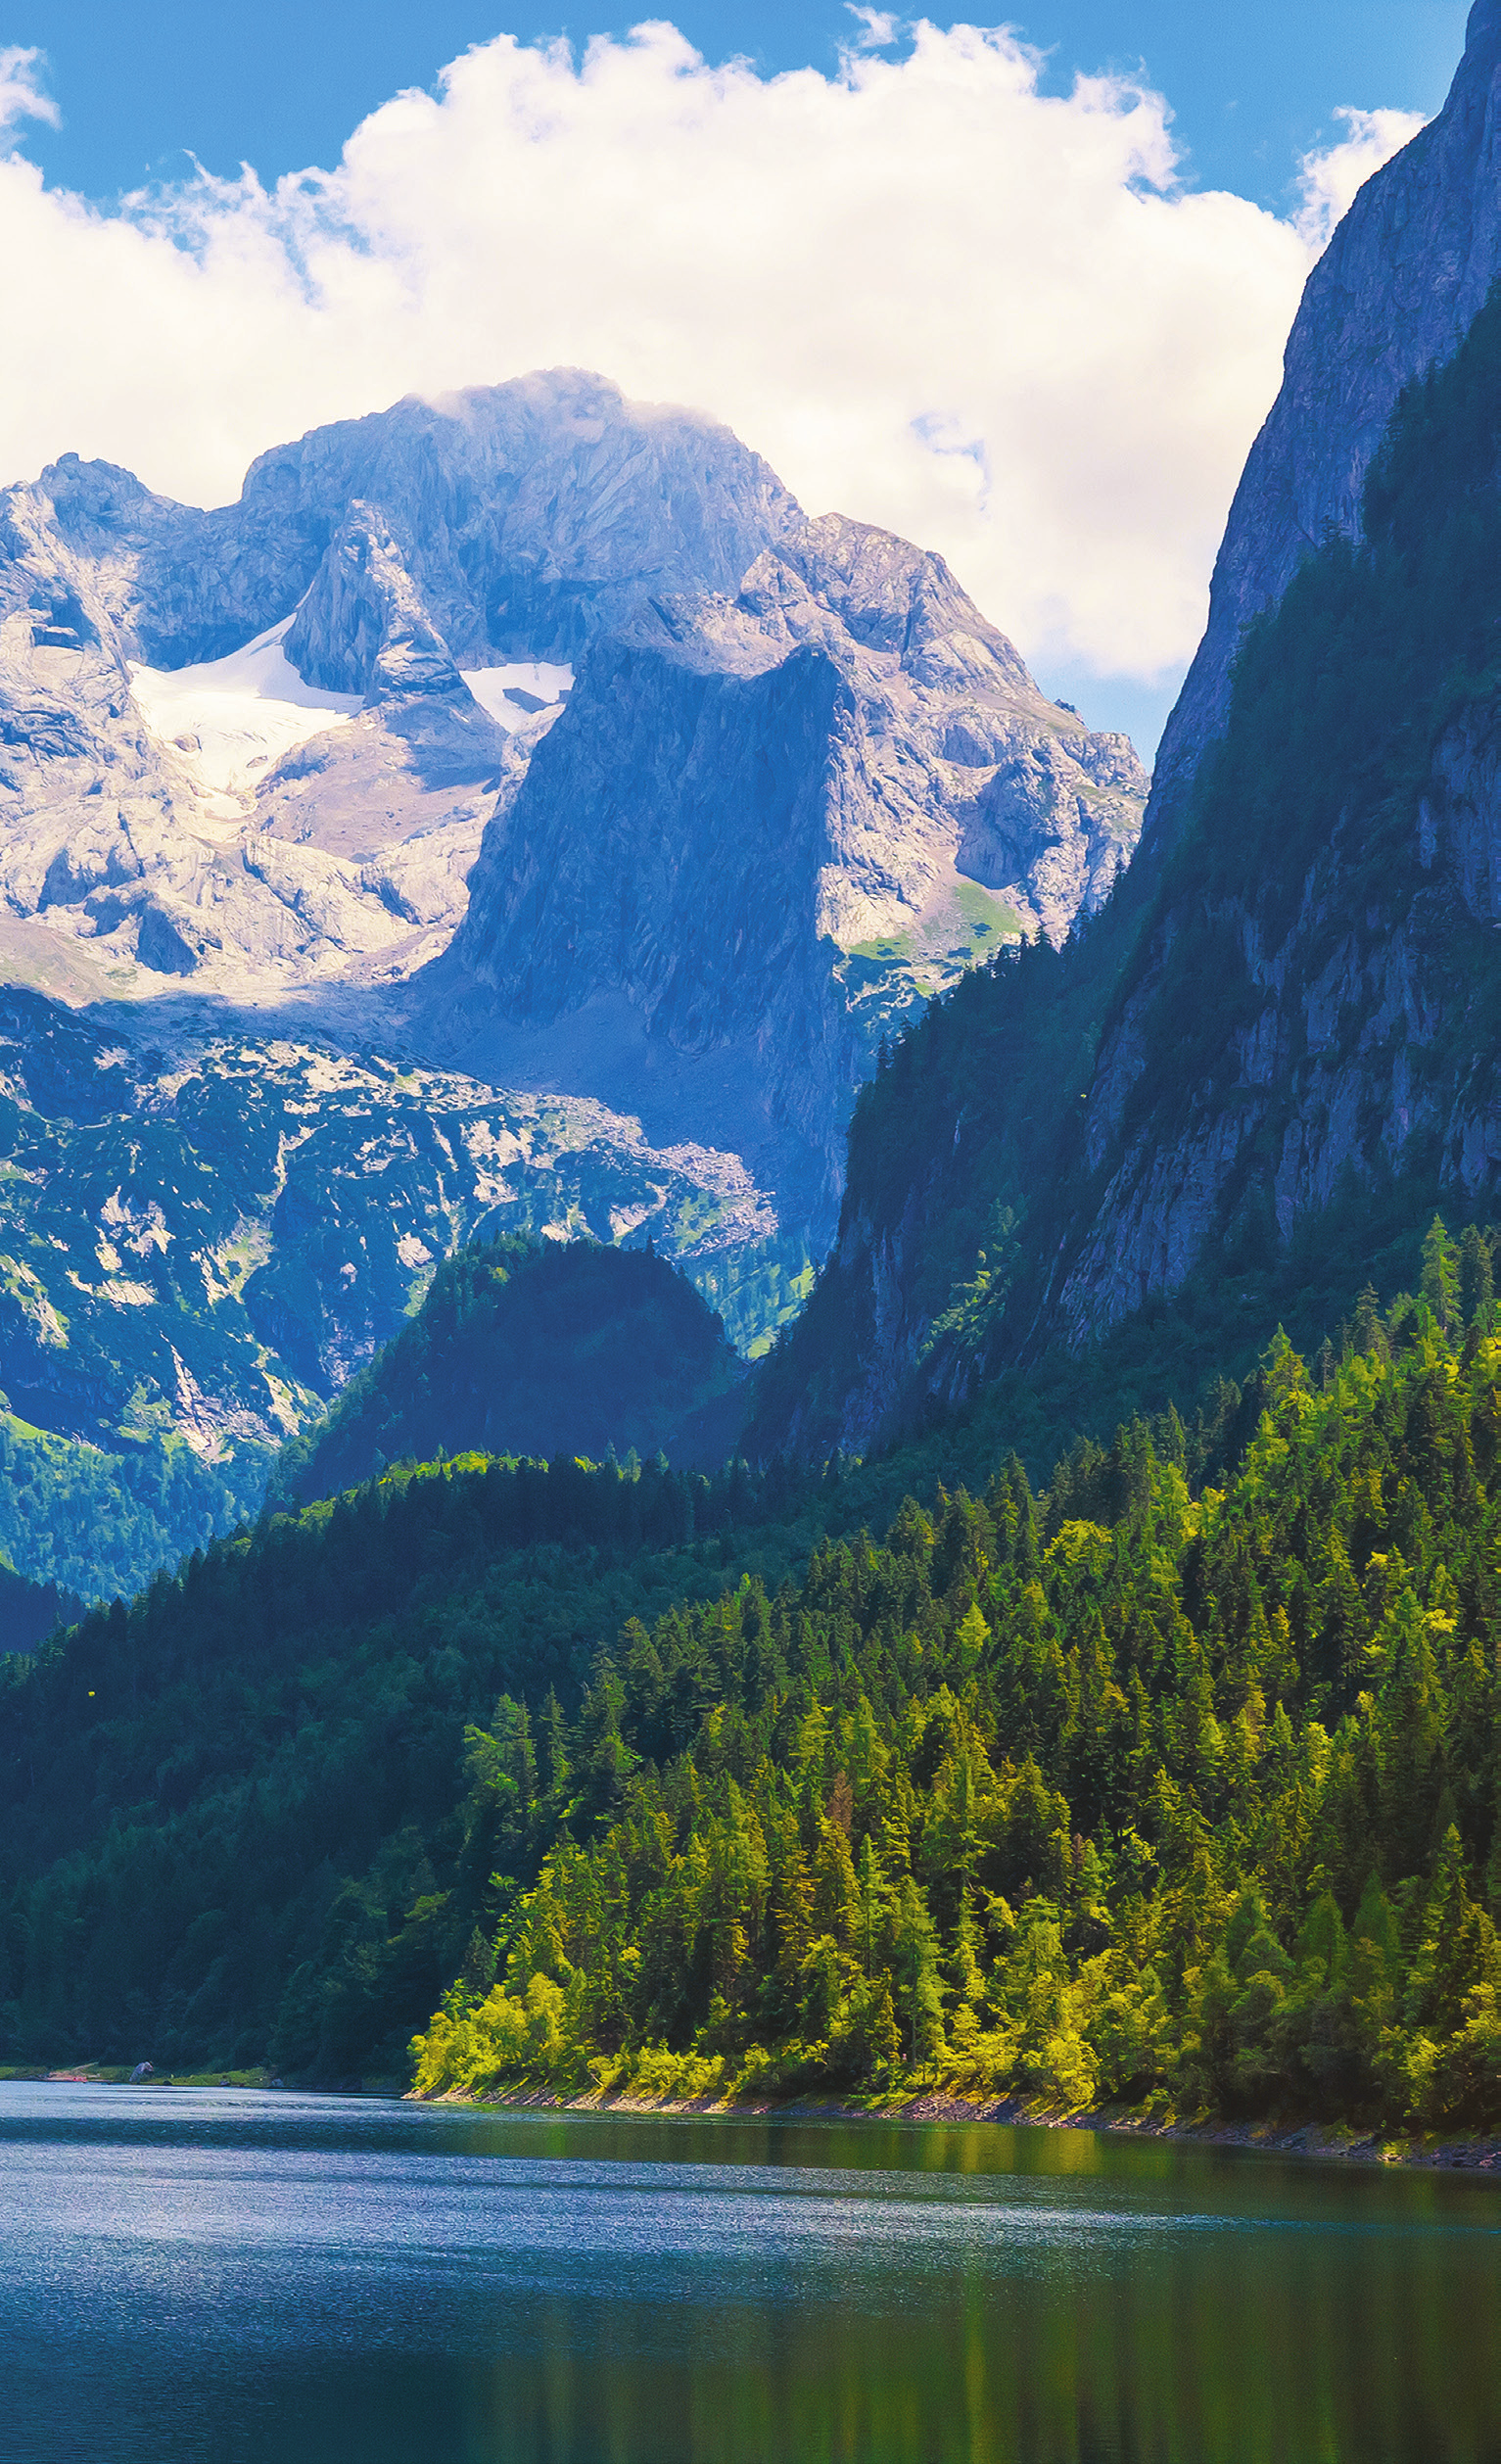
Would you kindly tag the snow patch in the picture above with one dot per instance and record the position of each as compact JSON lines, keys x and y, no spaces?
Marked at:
{"x":514,"y":694}
{"x":228,"y":720}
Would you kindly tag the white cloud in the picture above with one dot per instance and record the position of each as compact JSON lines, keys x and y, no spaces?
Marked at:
{"x":878,"y":27}
{"x":1330,"y":178}
{"x":932,"y":296}
{"x":20,"y":94}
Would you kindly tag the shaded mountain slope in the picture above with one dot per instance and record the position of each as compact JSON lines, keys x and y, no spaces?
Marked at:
{"x":1274,"y":1052}
{"x":230,"y":1816}
{"x":532,"y":1348}
{"x":31,"y":1611}
{"x":1400,"y":284}
{"x":768,"y":824}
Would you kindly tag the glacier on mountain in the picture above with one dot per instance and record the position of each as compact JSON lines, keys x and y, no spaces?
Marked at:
{"x":531,"y":737}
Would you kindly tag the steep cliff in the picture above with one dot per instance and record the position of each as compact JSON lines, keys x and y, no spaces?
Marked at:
{"x":1401,"y":282}
{"x":771,"y":822}
{"x":1273,"y":1053}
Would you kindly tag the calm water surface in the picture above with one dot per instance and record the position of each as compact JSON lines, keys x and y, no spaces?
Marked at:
{"x":192,"y":2277}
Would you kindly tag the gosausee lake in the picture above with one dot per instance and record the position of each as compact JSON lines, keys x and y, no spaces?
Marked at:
{"x":194,"y":2277}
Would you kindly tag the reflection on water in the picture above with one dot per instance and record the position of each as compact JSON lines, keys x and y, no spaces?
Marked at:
{"x":210,"y":2278}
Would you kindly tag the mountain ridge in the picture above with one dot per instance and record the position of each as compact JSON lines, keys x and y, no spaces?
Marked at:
{"x":526,"y":1349}
{"x":1401,"y":281}
{"x":1277,"y":1035}
{"x":533,"y":742}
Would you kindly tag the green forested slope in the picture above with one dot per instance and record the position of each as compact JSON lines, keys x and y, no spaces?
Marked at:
{"x":230,"y":1814}
{"x":233,"y":1816}
{"x":1177,"y":1780}
{"x":536,"y":1348}
{"x":86,"y":1521}
{"x":31,"y":1612}
{"x":1121,"y":1793}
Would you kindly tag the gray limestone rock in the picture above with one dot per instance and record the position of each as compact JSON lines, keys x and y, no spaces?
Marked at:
{"x":505,"y":522}
{"x":801,"y":784}
{"x":769,"y":819}
{"x":266,"y":759}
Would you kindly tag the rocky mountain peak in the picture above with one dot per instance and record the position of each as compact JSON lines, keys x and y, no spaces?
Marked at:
{"x":770,"y":822}
{"x":261,"y":743}
{"x":529,"y":514}
{"x":744,"y":787}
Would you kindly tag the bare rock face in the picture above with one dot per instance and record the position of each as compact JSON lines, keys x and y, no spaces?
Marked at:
{"x":1400,"y":284}
{"x":384,"y":570}
{"x":1281,"y":1045}
{"x":535,"y":735}
{"x":1333,"y":1070}
{"x":772,"y":819}
{"x":527,"y":516}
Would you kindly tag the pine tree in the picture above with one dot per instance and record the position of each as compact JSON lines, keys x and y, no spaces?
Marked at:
{"x":1440,"y":1283}
{"x":915,"y":1965}
{"x":1477,"y":1279}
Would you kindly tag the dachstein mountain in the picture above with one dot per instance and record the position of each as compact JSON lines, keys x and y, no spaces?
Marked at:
{"x":1251,"y":1082}
{"x":513,"y":813}
{"x":771,"y":820}
{"x":259,"y":746}
{"x":794,"y":779}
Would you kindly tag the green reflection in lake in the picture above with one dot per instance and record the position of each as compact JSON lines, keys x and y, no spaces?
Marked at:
{"x":284,"y":2280}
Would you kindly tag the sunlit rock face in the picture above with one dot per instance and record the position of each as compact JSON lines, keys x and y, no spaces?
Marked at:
{"x":260,"y":745}
{"x":796,"y":782}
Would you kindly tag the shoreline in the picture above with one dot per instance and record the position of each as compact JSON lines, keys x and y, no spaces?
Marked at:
{"x":1314,"y":2141}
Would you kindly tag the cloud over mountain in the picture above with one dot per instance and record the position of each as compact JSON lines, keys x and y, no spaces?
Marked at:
{"x":933,"y":295}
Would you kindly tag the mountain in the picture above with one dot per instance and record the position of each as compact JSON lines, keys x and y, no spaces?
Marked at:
{"x":204,"y":1236}
{"x":257,"y":747}
{"x":525,"y":1348}
{"x":1250,"y":1081}
{"x":737,"y":790}
{"x":1402,"y":281}
{"x":772,"y":824}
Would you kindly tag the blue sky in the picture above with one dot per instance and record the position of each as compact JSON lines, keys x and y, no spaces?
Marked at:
{"x":1032,"y":328}
{"x":281,"y":85}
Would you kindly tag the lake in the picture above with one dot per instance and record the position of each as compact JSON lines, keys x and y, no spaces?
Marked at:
{"x":202,"y":2276}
